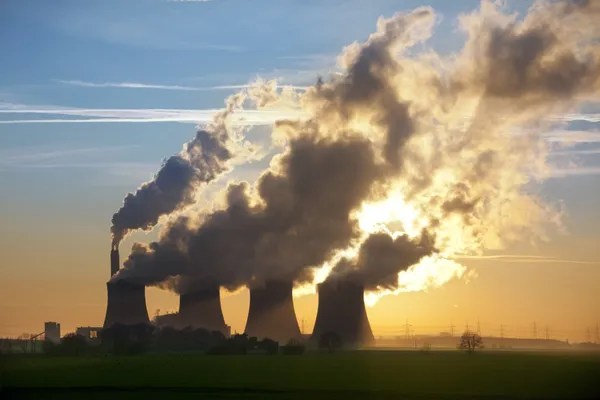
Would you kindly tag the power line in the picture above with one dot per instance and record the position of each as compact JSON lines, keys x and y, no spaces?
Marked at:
{"x":501,"y":331}
{"x":534,"y":330}
{"x":452,"y":330}
{"x":407,"y":329}
{"x":547,"y":333}
{"x":478,"y":327}
{"x":587,"y":335}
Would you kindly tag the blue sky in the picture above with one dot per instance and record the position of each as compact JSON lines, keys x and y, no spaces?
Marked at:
{"x":74,"y":54}
{"x":68,"y":178}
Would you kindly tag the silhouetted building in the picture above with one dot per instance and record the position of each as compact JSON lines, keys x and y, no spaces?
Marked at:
{"x":52,"y":331}
{"x":167,"y":320}
{"x":342,"y":311}
{"x":202,"y":309}
{"x":271,"y":314}
{"x":90,"y":333}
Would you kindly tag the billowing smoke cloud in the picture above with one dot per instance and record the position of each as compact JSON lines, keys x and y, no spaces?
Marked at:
{"x":300,"y":211}
{"x":381,"y":257}
{"x":208,"y":155}
{"x":201,"y":160}
{"x":403,"y":163}
{"x":259,"y":232}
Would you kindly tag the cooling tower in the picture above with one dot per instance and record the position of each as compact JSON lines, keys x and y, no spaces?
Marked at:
{"x":126,"y":304}
{"x":342,"y":311}
{"x":271,"y":314}
{"x":202,"y":309}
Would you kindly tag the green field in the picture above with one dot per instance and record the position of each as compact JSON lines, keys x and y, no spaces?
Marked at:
{"x":367,"y":374}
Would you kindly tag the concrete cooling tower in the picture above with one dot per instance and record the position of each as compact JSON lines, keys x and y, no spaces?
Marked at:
{"x":202,"y":309}
{"x":271,"y":314}
{"x":126,"y":304}
{"x":342,"y":311}
{"x":126,"y":301}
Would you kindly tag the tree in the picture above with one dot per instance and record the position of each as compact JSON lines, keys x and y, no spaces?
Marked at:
{"x":73,"y":344}
{"x":294,"y":346}
{"x":470,"y":341}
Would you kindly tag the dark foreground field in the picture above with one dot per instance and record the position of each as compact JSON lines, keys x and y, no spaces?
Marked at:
{"x":368,"y":374}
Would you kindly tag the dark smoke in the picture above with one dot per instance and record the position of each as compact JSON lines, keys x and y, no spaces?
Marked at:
{"x":302,"y":215}
{"x":445,"y":137}
{"x":300,"y":211}
{"x":202,"y":160}
{"x":381,"y":257}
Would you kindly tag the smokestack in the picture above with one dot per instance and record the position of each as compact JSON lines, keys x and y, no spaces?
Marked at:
{"x":114,"y":260}
{"x":126,"y":304}
{"x":271,"y":314}
{"x":342,"y":311}
{"x":202,"y":309}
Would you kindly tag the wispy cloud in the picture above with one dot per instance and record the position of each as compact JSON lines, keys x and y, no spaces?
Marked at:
{"x":576,"y":152}
{"x":519,"y":258}
{"x":37,"y":155}
{"x":590,"y":117}
{"x":93,"y":159}
{"x":244,"y":117}
{"x":574,"y":136}
{"x":574,"y":171}
{"x":137,"y":85}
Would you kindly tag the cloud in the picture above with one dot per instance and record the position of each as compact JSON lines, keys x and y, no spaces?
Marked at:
{"x":520,"y":258}
{"x":243,"y":117}
{"x":96,"y":159}
{"x":576,"y":152}
{"x":137,"y":85}
{"x":44,"y":156}
{"x":575,"y":171}
{"x":575,"y":136}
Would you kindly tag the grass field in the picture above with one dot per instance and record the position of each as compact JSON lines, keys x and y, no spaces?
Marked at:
{"x":367,"y":374}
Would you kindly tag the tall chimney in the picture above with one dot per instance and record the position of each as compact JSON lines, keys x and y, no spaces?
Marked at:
{"x":202,"y":309}
{"x":342,"y":311}
{"x":271,"y":314}
{"x":114,"y":260}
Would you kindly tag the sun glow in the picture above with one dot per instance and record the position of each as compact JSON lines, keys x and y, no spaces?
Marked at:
{"x":392,"y":212}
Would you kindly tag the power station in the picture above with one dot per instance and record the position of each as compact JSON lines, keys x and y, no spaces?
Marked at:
{"x":342,"y":311}
{"x":126,"y":301}
{"x":271,"y":313}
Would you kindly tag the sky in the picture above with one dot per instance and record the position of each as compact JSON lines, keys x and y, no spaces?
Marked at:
{"x":85,"y":88}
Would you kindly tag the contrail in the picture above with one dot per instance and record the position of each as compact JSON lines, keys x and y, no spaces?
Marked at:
{"x":137,"y":85}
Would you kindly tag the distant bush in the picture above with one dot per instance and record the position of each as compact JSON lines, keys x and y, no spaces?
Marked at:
{"x":330,"y":341}
{"x":293,"y":349}
{"x":70,"y":345}
{"x":426,"y":348}
{"x":127,"y":339}
{"x":242,"y":344}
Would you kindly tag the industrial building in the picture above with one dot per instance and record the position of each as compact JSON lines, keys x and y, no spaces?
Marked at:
{"x":90,"y":333}
{"x":52,"y":331}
